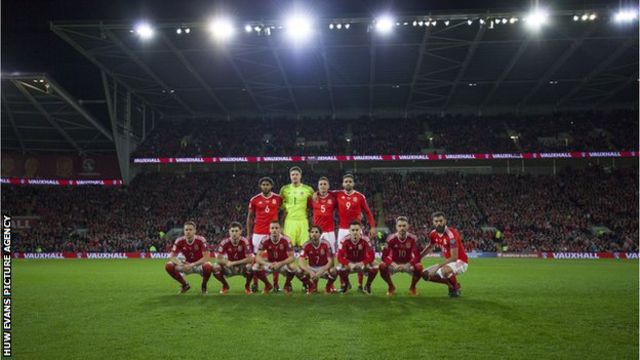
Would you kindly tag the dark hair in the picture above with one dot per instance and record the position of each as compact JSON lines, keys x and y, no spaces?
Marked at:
{"x":295,"y":168}
{"x":192,"y":223}
{"x":323,"y":178}
{"x":349,"y":176}
{"x":438,"y":214}
{"x":355,"y":222}
{"x":315,"y":227}
{"x":402,"y":218}
{"x":266,"y":178}
{"x":235,"y":224}
{"x":275,"y":222}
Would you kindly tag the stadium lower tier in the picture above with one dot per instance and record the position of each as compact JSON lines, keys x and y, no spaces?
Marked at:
{"x":574,"y":211}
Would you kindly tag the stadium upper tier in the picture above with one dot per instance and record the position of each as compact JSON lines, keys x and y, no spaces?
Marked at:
{"x":576,"y":210}
{"x":581,"y":131}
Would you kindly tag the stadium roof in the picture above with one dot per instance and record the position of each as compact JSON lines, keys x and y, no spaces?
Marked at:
{"x":39,"y":115}
{"x":416,"y":69}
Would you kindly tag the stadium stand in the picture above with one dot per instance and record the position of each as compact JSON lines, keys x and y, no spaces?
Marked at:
{"x":576,"y":210}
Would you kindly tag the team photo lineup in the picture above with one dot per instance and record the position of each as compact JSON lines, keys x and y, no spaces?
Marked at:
{"x":313,"y":252}
{"x":304,"y":179}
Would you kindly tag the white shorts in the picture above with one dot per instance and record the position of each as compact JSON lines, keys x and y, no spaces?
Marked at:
{"x":342,"y":233}
{"x":194,"y":270}
{"x":235,"y":270}
{"x":317,"y":268}
{"x":255,"y":240}
{"x":458,"y":267}
{"x":283,"y":269}
{"x":364,"y":270}
{"x":392,"y":271}
{"x":331,"y":238}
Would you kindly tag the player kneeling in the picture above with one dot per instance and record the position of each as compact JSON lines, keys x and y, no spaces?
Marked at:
{"x":319,"y":264}
{"x":234,"y":258}
{"x":400,"y":254}
{"x":455,"y":262}
{"x":356,"y":256}
{"x":194,"y":248}
{"x":279,"y":258}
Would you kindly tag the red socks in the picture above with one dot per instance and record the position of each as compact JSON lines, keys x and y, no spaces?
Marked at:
{"x":222,"y":280}
{"x":372,"y":275}
{"x":417,"y":274}
{"x":386,"y":276}
{"x":171,"y":270}
{"x":207,"y":269}
{"x":262,"y":275}
{"x":290,"y":277}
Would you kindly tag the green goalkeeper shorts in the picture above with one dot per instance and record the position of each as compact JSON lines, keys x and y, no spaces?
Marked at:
{"x":297,"y":231}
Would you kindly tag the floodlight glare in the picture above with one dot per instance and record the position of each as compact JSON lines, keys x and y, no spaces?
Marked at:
{"x":584,"y":17}
{"x":178,"y":31}
{"x":537,"y":18}
{"x":347,"y":26}
{"x":221,"y":29}
{"x":248,"y":28}
{"x":144,"y":30}
{"x":299,"y":27}
{"x":384,"y":24}
{"x":625,"y":15}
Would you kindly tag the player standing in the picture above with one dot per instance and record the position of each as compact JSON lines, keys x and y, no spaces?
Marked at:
{"x":279,"y":259}
{"x":455,"y":262}
{"x":356,"y":255}
{"x":351,"y":205}
{"x":401,"y":254}
{"x":295,"y":198}
{"x":264,"y":208}
{"x":234,"y":258}
{"x":319,"y":265}
{"x":196,"y":252}
{"x":324,"y":205}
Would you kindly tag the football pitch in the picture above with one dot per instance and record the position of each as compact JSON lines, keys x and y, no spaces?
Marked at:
{"x":509,"y":309}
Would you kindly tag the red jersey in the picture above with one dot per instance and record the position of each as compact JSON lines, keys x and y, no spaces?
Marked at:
{"x":358,"y":252}
{"x":351,"y":207}
{"x":193,"y":251}
{"x":235,"y":252}
{"x":317,"y":256}
{"x":275,"y":251}
{"x":266,"y":210}
{"x":401,"y":251}
{"x":323,"y":212}
{"x":451,"y":237}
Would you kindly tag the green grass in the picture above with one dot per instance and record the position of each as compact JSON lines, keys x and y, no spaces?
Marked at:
{"x":509,"y":309}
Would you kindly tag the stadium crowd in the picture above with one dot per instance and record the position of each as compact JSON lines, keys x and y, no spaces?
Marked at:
{"x":581,"y":131}
{"x":576,"y":210}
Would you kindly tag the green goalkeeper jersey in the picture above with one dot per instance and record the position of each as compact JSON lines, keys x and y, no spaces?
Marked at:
{"x":295,"y":199}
